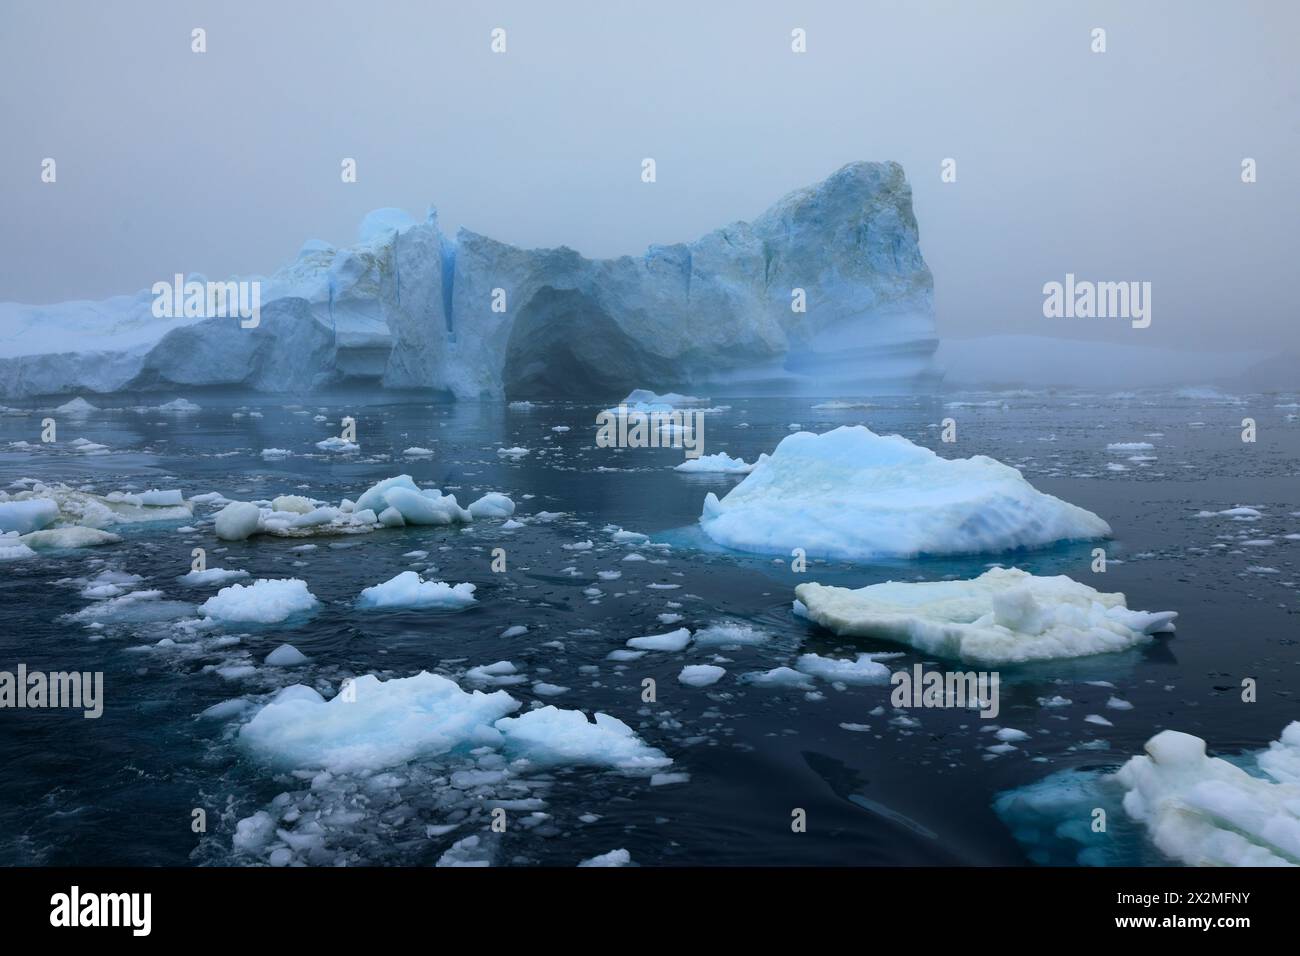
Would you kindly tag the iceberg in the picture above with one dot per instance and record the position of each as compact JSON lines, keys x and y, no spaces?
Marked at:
{"x":404,"y":307}
{"x":1004,"y":616}
{"x":850,"y":494}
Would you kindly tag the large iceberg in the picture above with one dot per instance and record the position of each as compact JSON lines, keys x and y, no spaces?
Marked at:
{"x":850,"y":494}
{"x":1004,"y":616}
{"x":409,"y":307}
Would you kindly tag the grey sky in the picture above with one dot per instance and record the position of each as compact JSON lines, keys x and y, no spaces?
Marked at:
{"x":1118,"y":166}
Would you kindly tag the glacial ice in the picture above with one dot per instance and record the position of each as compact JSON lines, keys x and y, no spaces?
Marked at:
{"x":403,"y":307}
{"x":719,"y":463}
{"x":373,"y":725}
{"x":850,"y":494}
{"x":265,"y":601}
{"x":1193,"y":808}
{"x":1005,"y":616}
{"x":408,"y":589}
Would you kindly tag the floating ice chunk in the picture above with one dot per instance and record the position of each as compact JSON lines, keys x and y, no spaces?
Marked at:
{"x":56,"y":539}
{"x":492,"y":505}
{"x":137,"y":607}
{"x":276,"y":453}
{"x":778,"y":677}
{"x":237,"y":521}
{"x":374,"y":724}
{"x":417,"y":452}
{"x":725,"y":632}
{"x":286,"y":655}
{"x":851,"y":494}
{"x":1130,"y":446}
{"x":28,"y":515}
{"x":502,"y":673}
{"x":297,"y":504}
{"x":179,"y":406}
{"x":1204,"y":811}
{"x":10,"y":551}
{"x":339,"y":445}
{"x":1004,"y":616}
{"x":720,"y":463}
{"x":408,"y":589}
{"x":864,"y":670}
{"x":212,"y":576}
{"x":427,"y":507}
{"x":515,"y":452}
{"x":543,"y":689}
{"x":672,"y":641}
{"x":78,"y":406}
{"x":265,"y":601}
{"x":612,"y":858}
{"x":549,"y":735}
{"x":472,"y":851}
{"x":701,"y":675}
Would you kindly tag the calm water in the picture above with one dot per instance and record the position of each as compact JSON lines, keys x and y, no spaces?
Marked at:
{"x":120,"y":790}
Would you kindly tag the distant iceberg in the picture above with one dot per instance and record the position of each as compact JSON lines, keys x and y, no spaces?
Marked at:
{"x":409,"y":307}
{"x":850,"y":494}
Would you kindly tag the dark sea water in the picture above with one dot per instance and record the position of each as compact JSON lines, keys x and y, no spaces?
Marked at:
{"x":121,"y":789}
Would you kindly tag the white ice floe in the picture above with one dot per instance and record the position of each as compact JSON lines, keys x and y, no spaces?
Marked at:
{"x":492,"y":505}
{"x":610,"y":859}
{"x":701,"y":675}
{"x":286,"y":655}
{"x":58,"y":539}
{"x":672,"y":641}
{"x":31,"y":514}
{"x":212,"y":576}
{"x":1204,"y":811}
{"x":408,"y":589}
{"x":864,"y":670}
{"x":393,"y":502}
{"x":373,"y":725}
{"x":851,"y":494}
{"x":725,"y":632}
{"x":551,"y":736}
{"x":1004,"y":616}
{"x":265,"y":601}
{"x":720,"y":463}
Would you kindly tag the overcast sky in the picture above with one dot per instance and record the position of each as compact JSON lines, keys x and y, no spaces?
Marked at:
{"x":1117,"y":166}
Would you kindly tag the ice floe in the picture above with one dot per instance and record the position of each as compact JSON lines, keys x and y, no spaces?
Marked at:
{"x":852,"y":494}
{"x":265,"y":601}
{"x":1004,"y":616}
{"x":409,"y":590}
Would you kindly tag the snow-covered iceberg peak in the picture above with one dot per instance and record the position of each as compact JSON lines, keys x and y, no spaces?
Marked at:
{"x":1005,"y":616}
{"x":850,"y":494}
